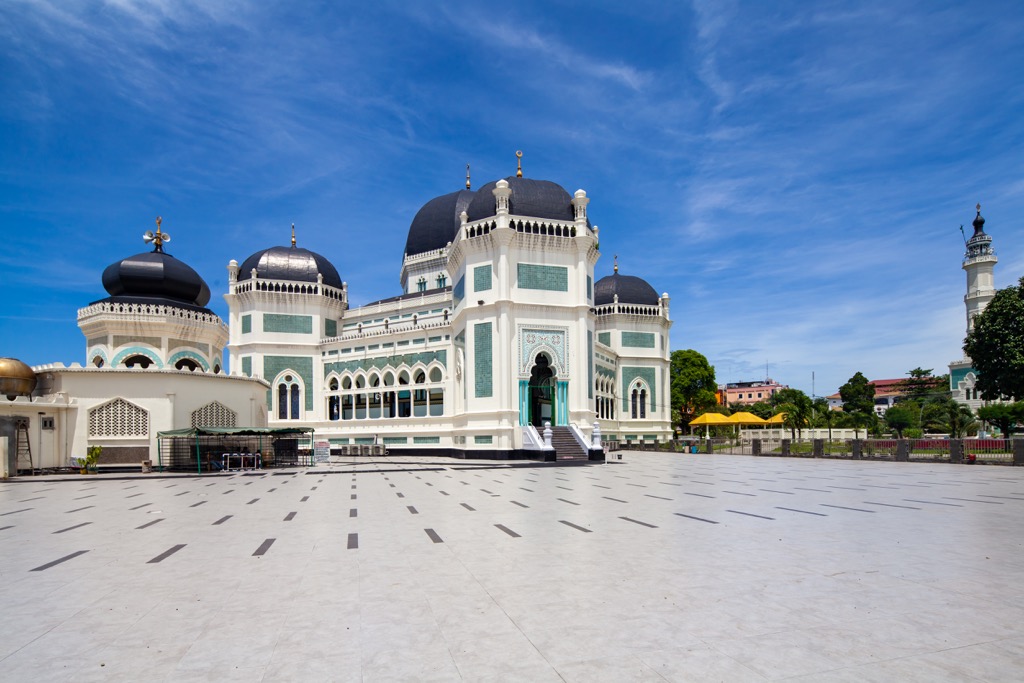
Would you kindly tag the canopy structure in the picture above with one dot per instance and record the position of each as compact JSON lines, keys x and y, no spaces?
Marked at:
{"x":708,"y":419}
{"x":745,"y":418}
{"x":219,"y":448}
{"x":776,"y":419}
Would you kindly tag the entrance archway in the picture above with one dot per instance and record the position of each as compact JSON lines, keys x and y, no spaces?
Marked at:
{"x":542,"y":392}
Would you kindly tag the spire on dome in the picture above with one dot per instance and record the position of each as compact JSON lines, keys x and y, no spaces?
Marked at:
{"x":467,"y":178}
{"x":519,"y":164}
{"x":616,"y":263}
{"x":293,"y":235}
{"x":979,"y":221}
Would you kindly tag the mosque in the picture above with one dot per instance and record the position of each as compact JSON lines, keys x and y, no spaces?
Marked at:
{"x":502,"y":329}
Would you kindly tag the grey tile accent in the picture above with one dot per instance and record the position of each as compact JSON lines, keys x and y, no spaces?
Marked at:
{"x":148,"y":524}
{"x":264,"y":547}
{"x":577,"y":527}
{"x":637,"y":521}
{"x":433,"y":536}
{"x":56,"y":562}
{"x":222,"y":520}
{"x":353,"y":541}
{"x":806,"y":512}
{"x":748,"y":514}
{"x":167,"y":553}
{"x":77,"y":526}
{"x":699,"y":519}
{"x":841,"y":507}
{"x":508,"y":531}
{"x":290,"y":516}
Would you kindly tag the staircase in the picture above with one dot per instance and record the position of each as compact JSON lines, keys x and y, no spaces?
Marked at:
{"x":566,"y":445}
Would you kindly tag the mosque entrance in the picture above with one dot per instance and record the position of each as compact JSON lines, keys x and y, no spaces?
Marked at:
{"x":542,"y":392}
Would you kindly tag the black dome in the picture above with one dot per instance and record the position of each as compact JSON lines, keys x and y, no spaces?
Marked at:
{"x":534,"y":198}
{"x":437,"y":223}
{"x":289,"y":263}
{"x":631,"y":290}
{"x":157,"y":277}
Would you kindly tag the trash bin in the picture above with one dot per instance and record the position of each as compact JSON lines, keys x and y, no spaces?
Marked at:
{"x":147,"y":466}
{"x":693,"y":449}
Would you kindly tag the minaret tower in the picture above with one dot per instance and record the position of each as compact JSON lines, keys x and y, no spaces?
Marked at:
{"x":979,"y":262}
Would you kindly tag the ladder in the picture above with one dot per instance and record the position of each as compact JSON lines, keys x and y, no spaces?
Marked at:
{"x":23,"y":447}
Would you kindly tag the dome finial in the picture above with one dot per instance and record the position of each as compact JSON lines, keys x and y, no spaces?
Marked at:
{"x":519,"y":164}
{"x":158,"y":238}
{"x":467,"y":177}
{"x":293,"y":235}
{"x":616,"y":263}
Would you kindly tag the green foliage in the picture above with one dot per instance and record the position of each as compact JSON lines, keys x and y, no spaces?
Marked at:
{"x":823,"y":415}
{"x":762,"y":409}
{"x":913,"y":433}
{"x":899,"y":418}
{"x":960,"y":419}
{"x":921,"y":385}
{"x":798,"y":409}
{"x":1006,"y":416}
{"x":692,"y":384}
{"x":859,"y":401}
{"x":996,"y":345}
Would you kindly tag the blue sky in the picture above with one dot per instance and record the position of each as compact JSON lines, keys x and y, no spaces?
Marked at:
{"x":793,"y":174}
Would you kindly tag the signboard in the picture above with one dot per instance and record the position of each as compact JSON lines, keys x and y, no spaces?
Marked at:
{"x":321,"y":451}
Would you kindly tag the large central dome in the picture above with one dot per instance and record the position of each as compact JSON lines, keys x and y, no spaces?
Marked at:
{"x":533,"y":198}
{"x":437,"y":223}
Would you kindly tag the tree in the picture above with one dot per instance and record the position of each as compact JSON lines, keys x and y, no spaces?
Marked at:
{"x":922,"y":385}
{"x":858,"y":400}
{"x":899,"y":418}
{"x":692,"y":383}
{"x":1003,"y":415}
{"x":798,"y":409}
{"x":824,"y":414}
{"x":959,"y":418}
{"x":996,"y":345}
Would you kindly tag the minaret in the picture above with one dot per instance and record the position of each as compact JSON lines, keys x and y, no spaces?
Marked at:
{"x":979,"y":263}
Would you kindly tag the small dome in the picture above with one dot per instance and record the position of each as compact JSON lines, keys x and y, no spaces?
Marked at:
{"x":630,"y":290}
{"x":16,"y":378}
{"x":979,"y":223}
{"x":533,"y":198}
{"x":156,"y":276}
{"x":437,"y":223}
{"x":289,"y":263}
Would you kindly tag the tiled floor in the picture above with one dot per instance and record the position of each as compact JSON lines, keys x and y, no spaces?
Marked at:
{"x":661,"y":567}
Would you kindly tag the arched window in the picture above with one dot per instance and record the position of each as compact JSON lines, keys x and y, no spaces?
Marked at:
{"x":421,"y":284}
{"x":187,"y":364}
{"x":635,"y":396}
{"x":137,"y":360}
{"x":441,"y":281}
{"x":288,"y":399}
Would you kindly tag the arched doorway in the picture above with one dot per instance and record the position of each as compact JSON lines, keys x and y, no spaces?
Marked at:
{"x":542,"y":391}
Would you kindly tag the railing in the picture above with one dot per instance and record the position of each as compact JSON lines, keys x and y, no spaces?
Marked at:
{"x":139,"y":310}
{"x":288,"y":287}
{"x":627,"y":309}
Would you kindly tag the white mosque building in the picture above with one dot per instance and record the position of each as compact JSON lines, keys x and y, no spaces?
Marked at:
{"x":502,"y":329}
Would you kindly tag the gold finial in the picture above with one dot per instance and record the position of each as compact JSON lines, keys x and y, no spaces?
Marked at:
{"x":158,"y":238}
{"x":519,"y":164}
{"x":293,"y":234}
{"x":616,"y":263}
{"x":467,"y":177}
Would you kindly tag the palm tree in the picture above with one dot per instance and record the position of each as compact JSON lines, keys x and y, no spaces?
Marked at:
{"x":824,"y":414}
{"x":961,"y":419}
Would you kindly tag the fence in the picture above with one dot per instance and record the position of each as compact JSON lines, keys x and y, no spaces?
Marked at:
{"x":990,"y":451}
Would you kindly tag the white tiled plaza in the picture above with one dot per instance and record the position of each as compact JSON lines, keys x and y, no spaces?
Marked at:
{"x":659,"y":568}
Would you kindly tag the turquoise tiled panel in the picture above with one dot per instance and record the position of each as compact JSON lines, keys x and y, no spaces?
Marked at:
{"x":638,"y":340}
{"x":483,"y":356}
{"x":363,"y":440}
{"x":483,"y":439}
{"x":481,"y":278}
{"x":590,"y":288}
{"x":629,"y":375}
{"x":548,"y":278}
{"x":590,"y":364}
{"x":330,"y":328}
{"x":300,"y":365}
{"x":426,"y":439}
{"x":605,"y":338}
{"x":388,"y":440}
{"x":247,"y":366}
{"x":293,"y":324}
{"x":246,"y":324}
{"x":959,"y":375}
{"x":337,"y":442}
{"x":382,"y":362}
{"x":459,"y":292}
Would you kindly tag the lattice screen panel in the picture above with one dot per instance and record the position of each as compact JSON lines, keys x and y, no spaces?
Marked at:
{"x":118,"y":418}
{"x":214,"y":414}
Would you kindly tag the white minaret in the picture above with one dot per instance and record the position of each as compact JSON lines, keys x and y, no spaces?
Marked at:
{"x":979,"y":263}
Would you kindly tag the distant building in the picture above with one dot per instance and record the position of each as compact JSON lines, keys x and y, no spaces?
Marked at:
{"x":747,"y":393}
{"x":888,"y":393}
{"x":979,"y":263}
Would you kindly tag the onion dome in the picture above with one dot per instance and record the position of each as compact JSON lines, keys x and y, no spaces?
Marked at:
{"x":629,"y":289}
{"x":533,"y":198}
{"x":292,"y":263}
{"x":980,"y":243}
{"x":437,"y":223}
{"x":16,"y":378}
{"x":979,"y":223}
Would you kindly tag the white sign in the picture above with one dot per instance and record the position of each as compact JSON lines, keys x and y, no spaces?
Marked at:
{"x":321,"y":451}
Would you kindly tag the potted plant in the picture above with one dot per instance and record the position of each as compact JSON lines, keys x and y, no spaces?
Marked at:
{"x":92,"y":456}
